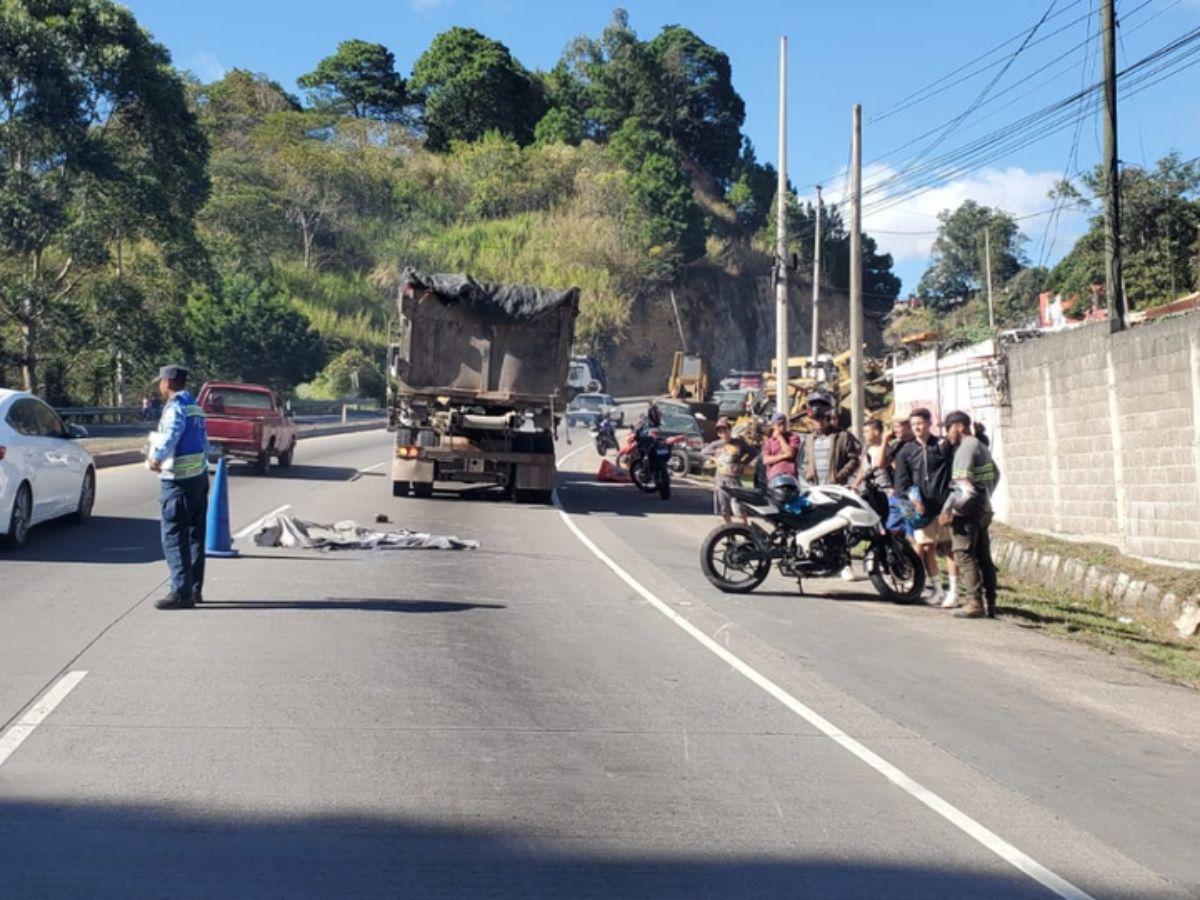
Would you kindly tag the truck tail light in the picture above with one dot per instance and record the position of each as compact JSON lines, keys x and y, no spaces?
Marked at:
{"x":408,"y":452}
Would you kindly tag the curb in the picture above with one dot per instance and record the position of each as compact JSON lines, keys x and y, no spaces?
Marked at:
{"x":1117,"y":591}
{"x":126,"y":457}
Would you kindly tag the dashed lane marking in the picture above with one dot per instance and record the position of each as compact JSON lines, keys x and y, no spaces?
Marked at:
{"x":253,"y":526}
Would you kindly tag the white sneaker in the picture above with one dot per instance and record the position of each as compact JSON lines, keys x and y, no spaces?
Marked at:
{"x":848,"y":574}
{"x":936,"y":597}
{"x":951,"y":599}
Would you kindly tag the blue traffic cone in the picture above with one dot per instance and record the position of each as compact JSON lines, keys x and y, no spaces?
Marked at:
{"x":217,"y":540}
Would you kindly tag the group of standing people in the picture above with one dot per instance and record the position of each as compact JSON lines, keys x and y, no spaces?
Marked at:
{"x":939,"y":487}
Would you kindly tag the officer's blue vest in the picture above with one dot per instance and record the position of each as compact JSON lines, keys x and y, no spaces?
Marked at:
{"x":189,"y":456}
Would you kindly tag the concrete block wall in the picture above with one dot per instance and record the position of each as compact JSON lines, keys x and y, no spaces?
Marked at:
{"x":1102,"y":437}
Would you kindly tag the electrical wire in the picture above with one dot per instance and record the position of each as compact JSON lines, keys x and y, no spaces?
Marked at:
{"x":920,"y":95}
{"x":1167,"y":61}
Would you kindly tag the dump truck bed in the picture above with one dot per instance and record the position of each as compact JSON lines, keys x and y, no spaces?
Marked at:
{"x":499,"y":344}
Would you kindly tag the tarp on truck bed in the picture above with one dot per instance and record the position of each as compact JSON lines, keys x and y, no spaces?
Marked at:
{"x":492,"y":300}
{"x":510,"y":343}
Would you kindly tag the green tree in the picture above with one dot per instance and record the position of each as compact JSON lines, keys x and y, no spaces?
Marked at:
{"x":230,"y":109}
{"x":250,"y":332}
{"x":695,"y":104}
{"x":958,"y":266}
{"x":1016,"y":302}
{"x":97,"y":147}
{"x":667,"y":221}
{"x":753,"y":188}
{"x":352,"y":374}
{"x":614,"y":74}
{"x":359,"y":80}
{"x":1160,"y":228}
{"x":469,"y":84}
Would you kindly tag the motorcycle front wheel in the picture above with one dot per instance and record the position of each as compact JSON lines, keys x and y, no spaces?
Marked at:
{"x":731,"y":560}
{"x":642,"y":476}
{"x":896,"y":570}
{"x":664,"y":483}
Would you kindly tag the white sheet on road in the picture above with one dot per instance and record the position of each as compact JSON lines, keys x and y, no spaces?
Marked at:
{"x":288,"y":531}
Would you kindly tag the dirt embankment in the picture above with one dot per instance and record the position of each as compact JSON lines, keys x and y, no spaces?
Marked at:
{"x":730,"y":320}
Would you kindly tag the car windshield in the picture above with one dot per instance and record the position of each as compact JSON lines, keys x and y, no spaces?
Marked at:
{"x":678,"y":421}
{"x":230,"y":397}
{"x":589,"y":401}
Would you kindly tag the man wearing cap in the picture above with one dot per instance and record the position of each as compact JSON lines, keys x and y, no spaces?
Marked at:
{"x":179,"y":454}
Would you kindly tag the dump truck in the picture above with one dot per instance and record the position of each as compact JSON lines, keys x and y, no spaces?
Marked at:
{"x":478,"y":384}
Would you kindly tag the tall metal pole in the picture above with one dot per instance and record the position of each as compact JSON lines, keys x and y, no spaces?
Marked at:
{"x":1114,"y":284}
{"x":987,"y":262}
{"x":781,"y":270}
{"x":856,"y":273}
{"x":816,"y":277}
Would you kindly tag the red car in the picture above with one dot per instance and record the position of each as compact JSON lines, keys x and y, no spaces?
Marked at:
{"x":247,"y":421}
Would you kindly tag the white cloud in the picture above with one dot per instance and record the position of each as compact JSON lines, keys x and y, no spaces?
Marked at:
{"x":426,"y":5}
{"x":906,"y":230}
{"x":207,"y":67}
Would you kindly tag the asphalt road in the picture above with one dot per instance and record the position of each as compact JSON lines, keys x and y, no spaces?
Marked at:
{"x":569,"y":711}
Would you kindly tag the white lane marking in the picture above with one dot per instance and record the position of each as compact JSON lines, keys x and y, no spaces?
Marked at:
{"x":378,"y":465}
{"x":576,"y":452}
{"x":950,"y":813}
{"x":257,"y":522}
{"x":35,"y":715}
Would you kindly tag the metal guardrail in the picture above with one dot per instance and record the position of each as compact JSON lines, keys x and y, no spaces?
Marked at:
{"x":100,"y":414}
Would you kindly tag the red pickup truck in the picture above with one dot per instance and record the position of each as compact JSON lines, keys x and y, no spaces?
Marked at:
{"x":246,"y":421}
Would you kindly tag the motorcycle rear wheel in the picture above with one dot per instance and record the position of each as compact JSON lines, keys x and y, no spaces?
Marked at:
{"x":731,"y":561}
{"x":897,"y":573}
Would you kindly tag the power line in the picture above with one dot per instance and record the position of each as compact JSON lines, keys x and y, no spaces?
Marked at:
{"x":952,"y":126}
{"x":920,"y":95}
{"x":1167,"y":61}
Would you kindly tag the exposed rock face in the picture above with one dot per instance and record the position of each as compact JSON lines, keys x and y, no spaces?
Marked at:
{"x":729,"y":320}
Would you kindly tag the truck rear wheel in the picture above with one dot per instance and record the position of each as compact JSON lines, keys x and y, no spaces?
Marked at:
{"x":263,"y":463}
{"x":400,"y":488}
{"x":285,"y":458}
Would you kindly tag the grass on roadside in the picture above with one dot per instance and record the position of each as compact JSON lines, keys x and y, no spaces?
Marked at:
{"x":1157,"y":651}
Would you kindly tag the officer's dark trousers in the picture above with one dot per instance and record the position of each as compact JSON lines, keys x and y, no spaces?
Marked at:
{"x":184,"y":510}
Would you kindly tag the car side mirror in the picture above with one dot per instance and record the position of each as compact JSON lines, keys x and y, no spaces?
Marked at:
{"x":76,"y":432}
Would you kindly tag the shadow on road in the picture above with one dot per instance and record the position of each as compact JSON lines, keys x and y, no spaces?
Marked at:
{"x":582,"y":495}
{"x":354,"y":604}
{"x":103,"y":539}
{"x":143,"y":850}
{"x":295,"y":473}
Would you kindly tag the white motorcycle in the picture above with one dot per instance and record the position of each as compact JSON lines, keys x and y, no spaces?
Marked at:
{"x":810,"y":532}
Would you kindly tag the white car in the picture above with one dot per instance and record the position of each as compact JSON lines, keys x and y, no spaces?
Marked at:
{"x":44,"y":472}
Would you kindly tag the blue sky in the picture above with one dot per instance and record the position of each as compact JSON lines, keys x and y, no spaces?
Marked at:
{"x":872,"y":52}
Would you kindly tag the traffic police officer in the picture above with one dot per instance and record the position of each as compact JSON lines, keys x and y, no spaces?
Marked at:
{"x":179,"y":454}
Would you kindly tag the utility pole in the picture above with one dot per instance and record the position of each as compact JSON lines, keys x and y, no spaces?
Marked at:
{"x":987,"y":263}
{"x":781,"y":269}
{"x":1114,"y":283}
{"x":856,"y":296}
{"x":816,"y":277}
{"x":678,"y":322}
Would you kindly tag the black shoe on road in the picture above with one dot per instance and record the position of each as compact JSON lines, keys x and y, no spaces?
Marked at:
{"x":175,"y":600}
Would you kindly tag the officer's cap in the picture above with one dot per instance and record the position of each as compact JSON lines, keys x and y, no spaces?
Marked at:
{"x":173,"y":373}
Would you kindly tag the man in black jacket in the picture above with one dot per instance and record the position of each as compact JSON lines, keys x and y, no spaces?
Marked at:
{"x":926,"y":461}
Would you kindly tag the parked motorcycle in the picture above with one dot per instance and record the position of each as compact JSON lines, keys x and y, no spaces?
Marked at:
{"x":604,"y":433}
{"x":647,"y":455}
{"x":810,"y":532}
